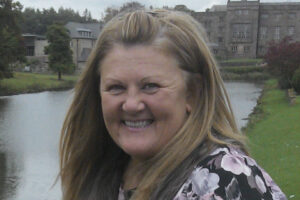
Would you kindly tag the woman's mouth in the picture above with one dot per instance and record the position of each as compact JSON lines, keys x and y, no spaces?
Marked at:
{"x":137,"y":123}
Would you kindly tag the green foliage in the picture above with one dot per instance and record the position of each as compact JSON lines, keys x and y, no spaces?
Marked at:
{"x":29,"y":82}
{"x":283,"y":60}
{"x":11,"y":42}
{"x":110,"y":12}
{"x":182,"y":8}
{"x":60,"y":54}
{"x":296,"y":81}
{"x":36,"y":21}
{"x":275,"y":138}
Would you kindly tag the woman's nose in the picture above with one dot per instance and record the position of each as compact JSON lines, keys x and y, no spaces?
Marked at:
{"x":133,"y":104}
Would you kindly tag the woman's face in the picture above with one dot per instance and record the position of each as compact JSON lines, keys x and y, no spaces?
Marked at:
{"x":143,"y":97}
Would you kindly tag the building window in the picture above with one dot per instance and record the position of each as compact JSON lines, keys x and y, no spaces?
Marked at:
{"x":261,"y":50}
{"x":238,"y":12}
{"x":85,"y":33}
{"x":215,"y":51}
{"x":263,"y":32}
{"x":277,"y":17}
{"x":246,"y":49}
{"x":245,"y":12}
{"x":292,"y":15}
{"x":207,"y":24}
{"x":264,"y":16}
{"x":220,"y":39}
{"x":241,"y":31}
{"x":30,"y":51}
{"x":277,"y":33}
{"x":234,"y":49}
{"x":291,"y":30}
{"x":221,"y":28}
{"x":221,"y":19}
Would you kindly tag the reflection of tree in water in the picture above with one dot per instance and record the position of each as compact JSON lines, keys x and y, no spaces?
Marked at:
{"x":2,"y":174}
{"x":8,"y":178}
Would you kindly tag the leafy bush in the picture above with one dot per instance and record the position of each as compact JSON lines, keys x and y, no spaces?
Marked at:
{"x":283,"y":60}
{"x":296,"y":81}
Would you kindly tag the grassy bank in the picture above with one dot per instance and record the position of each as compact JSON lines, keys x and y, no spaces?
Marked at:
{"x":244,"y":73}
{"x":243,"y":70}
{"x":29,"y":82}
{"x":274,"y":133}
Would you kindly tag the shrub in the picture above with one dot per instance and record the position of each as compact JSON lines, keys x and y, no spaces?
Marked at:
{"x":283,"y":60}
{"x":296,"y":80}
{"x":284,"y":83}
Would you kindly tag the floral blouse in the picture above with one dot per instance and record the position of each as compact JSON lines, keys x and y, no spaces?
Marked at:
{"x":226,"y":174}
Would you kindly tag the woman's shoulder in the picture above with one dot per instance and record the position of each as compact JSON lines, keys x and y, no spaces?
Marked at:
{"x":228,"y":173}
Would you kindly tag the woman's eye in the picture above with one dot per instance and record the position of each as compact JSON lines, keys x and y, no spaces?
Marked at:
{"x":151,"y":87}
{"x":115,"y":88}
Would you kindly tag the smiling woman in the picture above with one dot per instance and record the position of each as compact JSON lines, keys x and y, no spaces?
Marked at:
{"x":151,"y":119}
{"x":143,"y":98}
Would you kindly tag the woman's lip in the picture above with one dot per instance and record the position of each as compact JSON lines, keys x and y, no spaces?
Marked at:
{"x":137,"y":120}
{"x":137,"y":124}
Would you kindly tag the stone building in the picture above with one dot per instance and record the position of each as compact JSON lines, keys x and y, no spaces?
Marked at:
{"x":34,"y":47}
{"x":83,"y":38}
{"x":244,"y":28}
{"x":34,"y":44}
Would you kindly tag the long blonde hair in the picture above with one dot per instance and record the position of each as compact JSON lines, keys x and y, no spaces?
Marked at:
{"x":91,"y":163}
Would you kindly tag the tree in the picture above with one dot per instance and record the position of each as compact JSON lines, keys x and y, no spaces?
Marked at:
{"x":133,"y":5}
{"x":182,"y":8}
{"x":110,"y":12}
{"x":11,"y":42}
{"x":36,"y":21}
{"x":87,"y":15}
{"x":60,"y":54}
{"x":283,"y":60}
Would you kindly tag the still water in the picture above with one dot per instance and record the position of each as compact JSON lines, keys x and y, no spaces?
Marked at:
{"x":29,"y":135}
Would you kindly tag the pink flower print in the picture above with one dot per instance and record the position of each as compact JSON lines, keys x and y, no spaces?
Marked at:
{"x":215,"y":152}
{"x":204,"y":182}
{"x":260,"y":184}
{"x":235,"y":164}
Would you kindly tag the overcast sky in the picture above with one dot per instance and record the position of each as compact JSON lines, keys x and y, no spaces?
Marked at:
{"x":97,"y":7}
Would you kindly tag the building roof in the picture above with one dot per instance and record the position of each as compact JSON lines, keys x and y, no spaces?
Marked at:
{"x":26,"y":35}
{"x":280,"y":3}
{"x":218,"y":8}
{"x":75,"y":30}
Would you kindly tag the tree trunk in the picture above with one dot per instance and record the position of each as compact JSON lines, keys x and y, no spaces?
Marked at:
{"x":59,"y":75}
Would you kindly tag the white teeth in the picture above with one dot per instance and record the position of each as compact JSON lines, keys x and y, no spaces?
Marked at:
{"x":138,"y":124}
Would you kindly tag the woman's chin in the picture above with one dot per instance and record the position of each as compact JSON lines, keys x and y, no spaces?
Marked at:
{"x":140,"y":152}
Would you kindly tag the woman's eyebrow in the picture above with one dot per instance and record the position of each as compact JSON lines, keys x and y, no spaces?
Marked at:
{"x":148,"y":78}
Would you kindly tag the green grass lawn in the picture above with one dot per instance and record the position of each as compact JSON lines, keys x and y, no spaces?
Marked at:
{"x":29,"y":82}
{"x":275,"y":138}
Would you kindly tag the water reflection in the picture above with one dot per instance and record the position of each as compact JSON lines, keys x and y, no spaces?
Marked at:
{"x":29,"y":136}
{"x":9,"y":174}
{"x":243,"y":98}
{"x":29,"y":132}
